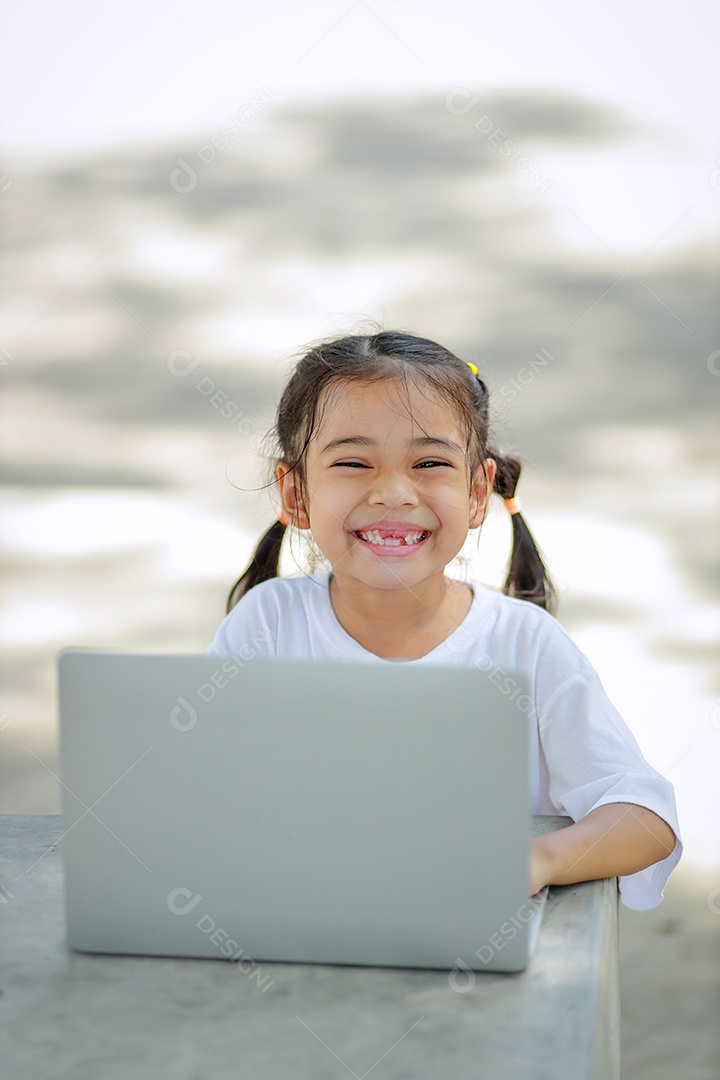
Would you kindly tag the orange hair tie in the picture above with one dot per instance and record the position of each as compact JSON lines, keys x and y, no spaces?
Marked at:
{"x":282,"y":519}
{"x":513,"y":506}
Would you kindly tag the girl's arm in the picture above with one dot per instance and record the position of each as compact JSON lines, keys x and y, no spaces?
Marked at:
{"x":612,"y":840}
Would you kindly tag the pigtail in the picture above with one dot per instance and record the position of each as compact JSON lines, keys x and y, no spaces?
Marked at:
{"x":263,"y":565}
{"x":527,"y":577}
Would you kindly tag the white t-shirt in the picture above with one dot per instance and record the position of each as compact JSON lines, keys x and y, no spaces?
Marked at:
{"x":583,"y":755}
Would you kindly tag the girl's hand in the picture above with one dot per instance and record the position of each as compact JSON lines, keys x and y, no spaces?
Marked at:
{"x":540,"y":865}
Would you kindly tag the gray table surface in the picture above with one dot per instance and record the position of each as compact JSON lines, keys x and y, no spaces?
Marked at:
{"x":71,"y":1016}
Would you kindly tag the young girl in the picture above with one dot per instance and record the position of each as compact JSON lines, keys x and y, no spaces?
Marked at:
{"x":384,"y":455}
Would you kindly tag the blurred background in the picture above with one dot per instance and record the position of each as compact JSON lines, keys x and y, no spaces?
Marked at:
{"x":191,"y":194}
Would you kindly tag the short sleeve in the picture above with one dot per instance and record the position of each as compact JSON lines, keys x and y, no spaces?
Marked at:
{"x":249,"y":630}
{"x":593,"y":760}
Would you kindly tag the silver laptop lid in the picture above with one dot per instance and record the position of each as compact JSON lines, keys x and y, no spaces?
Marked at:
{"x":294,"y":811}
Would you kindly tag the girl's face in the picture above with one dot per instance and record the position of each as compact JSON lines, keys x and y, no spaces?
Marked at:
{"x":390,"y":498}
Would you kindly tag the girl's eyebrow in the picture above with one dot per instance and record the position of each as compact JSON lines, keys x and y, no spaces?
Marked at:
{"x":363,"y":440}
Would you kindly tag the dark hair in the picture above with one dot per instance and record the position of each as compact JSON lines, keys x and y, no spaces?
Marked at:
{"x":392,"y":355}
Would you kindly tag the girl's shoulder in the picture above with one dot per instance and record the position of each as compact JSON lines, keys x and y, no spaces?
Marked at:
{"x":520,"y":628}
{"x":513,"y":612}
{"x":256,"y":618}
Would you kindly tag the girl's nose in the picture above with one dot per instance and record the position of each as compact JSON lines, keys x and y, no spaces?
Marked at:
{"x":393,"y":489}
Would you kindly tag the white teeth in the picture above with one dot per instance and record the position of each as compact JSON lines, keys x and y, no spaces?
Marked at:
{"x":375,"y":538}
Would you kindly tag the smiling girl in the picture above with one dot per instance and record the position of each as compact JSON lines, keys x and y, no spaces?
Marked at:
{"x":384,"y":455}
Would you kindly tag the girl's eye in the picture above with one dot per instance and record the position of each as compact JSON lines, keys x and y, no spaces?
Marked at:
{"x":431,"y":464}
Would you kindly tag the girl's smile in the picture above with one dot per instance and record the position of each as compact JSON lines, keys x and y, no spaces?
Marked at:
{"x":392,"y":539}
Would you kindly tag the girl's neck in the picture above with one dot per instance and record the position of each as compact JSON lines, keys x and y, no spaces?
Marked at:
{"x":400,"y":624}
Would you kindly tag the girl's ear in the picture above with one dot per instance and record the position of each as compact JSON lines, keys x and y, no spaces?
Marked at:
{"x":480,"y":491}
{"x":292,"y":507}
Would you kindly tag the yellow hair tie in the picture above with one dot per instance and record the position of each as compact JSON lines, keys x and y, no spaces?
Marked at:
{"x":475,"y":371}
{"x":513,"y":506}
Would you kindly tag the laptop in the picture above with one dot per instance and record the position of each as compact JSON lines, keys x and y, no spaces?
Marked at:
{"x":295,"y":811}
